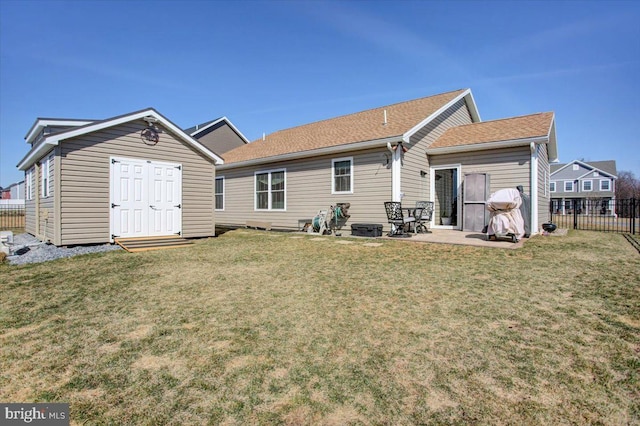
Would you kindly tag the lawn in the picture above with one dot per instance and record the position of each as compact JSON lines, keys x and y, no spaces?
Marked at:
{"x":270,"y":328}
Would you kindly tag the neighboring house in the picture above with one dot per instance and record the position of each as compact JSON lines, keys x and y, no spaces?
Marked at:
{"x":589,"y":185}
{"x":219,"y":135}
{"x":15,"y":191}
{"x":409,"y":151}
{"x":133,"y":175}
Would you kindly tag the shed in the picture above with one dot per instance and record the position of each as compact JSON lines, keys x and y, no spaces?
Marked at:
{"x":134,"y":175}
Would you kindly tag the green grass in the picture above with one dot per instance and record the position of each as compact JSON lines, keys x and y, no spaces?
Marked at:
{"x":262,"y":328}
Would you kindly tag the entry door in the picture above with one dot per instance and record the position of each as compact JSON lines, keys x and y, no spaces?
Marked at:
{"x":146,"y":198}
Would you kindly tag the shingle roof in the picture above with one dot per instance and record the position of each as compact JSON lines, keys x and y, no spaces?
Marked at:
{"x":507,"y":129}
{"x":358,"y":127}
{"x":192,"y":129}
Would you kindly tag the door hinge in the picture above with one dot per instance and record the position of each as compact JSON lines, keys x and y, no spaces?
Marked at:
{"x":179,"y":167}
{"x":178,"y":206}
{"x":113,"y":206}
{"x":114,"y":161}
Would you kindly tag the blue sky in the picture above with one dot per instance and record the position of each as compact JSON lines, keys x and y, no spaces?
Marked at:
{"x":270,"y":65}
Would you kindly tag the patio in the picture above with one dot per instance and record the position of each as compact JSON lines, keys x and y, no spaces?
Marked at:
{"x":448,"y":236}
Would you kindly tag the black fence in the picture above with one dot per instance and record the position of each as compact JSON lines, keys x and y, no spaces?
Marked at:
{"x":12,"y":216}
{"x":605,"y":215}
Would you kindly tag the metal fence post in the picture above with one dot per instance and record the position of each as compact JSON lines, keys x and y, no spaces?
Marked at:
{"x":574,"y":204}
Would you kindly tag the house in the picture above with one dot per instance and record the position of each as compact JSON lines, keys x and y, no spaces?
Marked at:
{"x":422,"y":149}
{"x":586,"y":187}
{"x":134,"y":175}
{"x":15,"y":191}
{"x":219,"y":135}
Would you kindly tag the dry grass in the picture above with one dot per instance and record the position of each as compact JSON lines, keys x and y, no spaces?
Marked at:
{"x":262,"y":328}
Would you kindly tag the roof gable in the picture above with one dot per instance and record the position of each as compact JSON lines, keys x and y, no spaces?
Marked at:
{"x":606,"y":168}
{"x":377,"y":124}
{"x":54,"y":139}
{"x":199,"y":129}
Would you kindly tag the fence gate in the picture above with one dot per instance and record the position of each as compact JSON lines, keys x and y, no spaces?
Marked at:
{"x":622,"y":216}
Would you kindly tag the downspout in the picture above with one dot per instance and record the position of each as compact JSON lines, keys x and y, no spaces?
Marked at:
{"x":534,"y":188}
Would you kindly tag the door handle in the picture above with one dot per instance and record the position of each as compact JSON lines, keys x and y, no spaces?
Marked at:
{"x":153,"y":207}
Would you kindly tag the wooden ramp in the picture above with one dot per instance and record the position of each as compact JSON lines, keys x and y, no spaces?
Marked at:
{"x":134,"y":245}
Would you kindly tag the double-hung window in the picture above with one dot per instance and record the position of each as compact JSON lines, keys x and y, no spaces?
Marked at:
{"x":28,"y":182}
{"x":587,"y":185}
{"x":605,"y":185}
{"x":270,"y":190}
{"x":342,"y":176}
{"x":44,"y":170}
{"x":568,"y":186}
{"x":552,"y":186}
{"x":219,"y":193}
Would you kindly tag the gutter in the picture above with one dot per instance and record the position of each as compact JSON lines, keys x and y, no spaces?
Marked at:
{"x":313,"y":152}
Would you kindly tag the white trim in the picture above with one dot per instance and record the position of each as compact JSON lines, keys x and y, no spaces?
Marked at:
{"x":224,"y":193}
{"x":608,"y":181}
{"x":213,"y":123}
{"x":333,"y":176}
{"x":432,"y":194}
{"x":396,"y":174}
{"x":312,"y":153}
{"x":53,"y":140}
{"x":585,"y":181}
{"x":564,"y":187}
{"x":486,"y":145}
{"x":255,"y":189}
{"x":473,"y":110}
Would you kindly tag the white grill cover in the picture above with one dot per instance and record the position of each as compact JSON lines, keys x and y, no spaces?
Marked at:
{"x":506,"y":218}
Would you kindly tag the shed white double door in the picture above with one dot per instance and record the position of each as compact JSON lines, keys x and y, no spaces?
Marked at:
{"x":146,"y":198}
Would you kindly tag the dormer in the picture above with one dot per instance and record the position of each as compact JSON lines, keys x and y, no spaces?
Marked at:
{"x":46,"y":126}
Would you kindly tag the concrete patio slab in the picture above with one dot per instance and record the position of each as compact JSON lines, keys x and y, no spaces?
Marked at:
{"x":447,"y":236}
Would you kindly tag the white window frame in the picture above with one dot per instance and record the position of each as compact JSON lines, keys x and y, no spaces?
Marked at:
{"x":333,"y":175}
{"x":270,"y":198}
{"x":570,"y":182}
{"x":585,"y":189}
{"x":576,"y":167}
{"x":45,"y":171}
{"x":608,"y":184}
{"x":223,"y":193}
{"x":552,"y":186}
{"x":29,"y":184}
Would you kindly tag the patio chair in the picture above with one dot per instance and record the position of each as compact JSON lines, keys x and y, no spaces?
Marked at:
{"x":422,"y":223}
{"x":397,"y":220}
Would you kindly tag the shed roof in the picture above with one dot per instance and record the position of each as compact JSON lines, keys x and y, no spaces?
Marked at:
{"x":362,"y":126}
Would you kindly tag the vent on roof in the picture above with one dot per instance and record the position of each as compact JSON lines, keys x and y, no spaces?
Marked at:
{"x":384,"y":123}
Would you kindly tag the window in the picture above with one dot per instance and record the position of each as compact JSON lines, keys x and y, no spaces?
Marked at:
{"x":342,"y":176}
{"x":552,"y":187}
{"x":28,"y":182}
{"x":605,"y":185}
{"x":270,"y":187}
{"x":587,"y":185}
{"x":576,"y":167}
{"x":45,"y":169}
{"x":568,"y":186}
{"x":219,"y":193}
{"x":596,"y":174}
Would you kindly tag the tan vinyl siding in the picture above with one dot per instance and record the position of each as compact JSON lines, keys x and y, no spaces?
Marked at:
{"x":85,"y":181}
{"x":544,"y":195}
{"x":507,"y":167}
{"x":308,"y":189}
{"x":414,"y":186}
